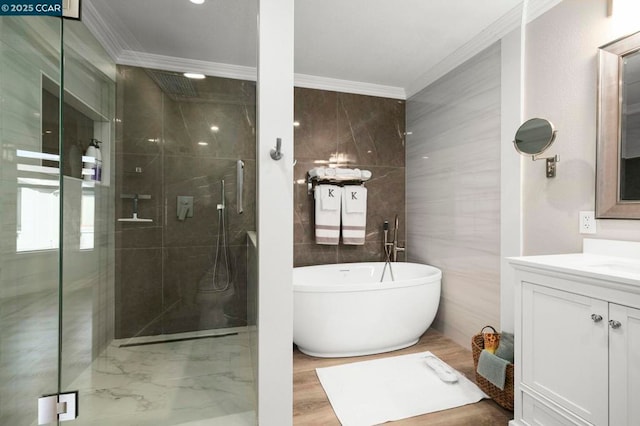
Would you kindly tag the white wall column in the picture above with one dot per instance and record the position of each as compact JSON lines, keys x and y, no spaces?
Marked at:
{"x":510,"y":173}
{"x":275,"y":213}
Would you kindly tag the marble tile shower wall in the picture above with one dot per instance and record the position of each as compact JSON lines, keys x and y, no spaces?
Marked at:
{"x":354,"y":131}
{"x":161,"y":265}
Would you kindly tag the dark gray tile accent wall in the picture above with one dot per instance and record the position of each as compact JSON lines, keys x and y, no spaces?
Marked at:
{"x":163,"y":266}
{"x":353,"y":131}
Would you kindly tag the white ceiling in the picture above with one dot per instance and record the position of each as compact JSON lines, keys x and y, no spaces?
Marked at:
{"x":384,"y":41}
{"x":371,"y":42}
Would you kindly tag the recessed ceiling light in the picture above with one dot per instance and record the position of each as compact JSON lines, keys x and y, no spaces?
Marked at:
{"x":203,"y":143}
{"x":296,"y":123}
{"x":194,"y":75}
{"x":197,"y":1}
{"x":215,"y":128}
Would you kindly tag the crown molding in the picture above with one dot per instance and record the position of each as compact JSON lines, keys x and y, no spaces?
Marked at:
{"x":115,"y":39}
{"x":216,"y":69}
{"x":104,"y":25}
{"x":501,"y":27}
{"x":493,"y":33}
{"x":172,"y":63}
{"x":97,"y":24}
{"x":105,"y":29}
{"x":348,"y":86}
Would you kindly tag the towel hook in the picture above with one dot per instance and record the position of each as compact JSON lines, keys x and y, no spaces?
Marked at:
{"x":276,"y":154}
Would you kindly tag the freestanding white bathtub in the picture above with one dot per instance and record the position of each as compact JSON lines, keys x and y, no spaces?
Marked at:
{"x":344,"y":310}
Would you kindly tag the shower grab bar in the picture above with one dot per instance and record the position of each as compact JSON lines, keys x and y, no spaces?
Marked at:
{"x":240,"y":185}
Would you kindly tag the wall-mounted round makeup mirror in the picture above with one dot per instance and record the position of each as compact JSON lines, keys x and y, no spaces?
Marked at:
{"x":533,"y":137}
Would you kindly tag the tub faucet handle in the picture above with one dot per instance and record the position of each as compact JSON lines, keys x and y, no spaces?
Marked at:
{"x":397,"y":249}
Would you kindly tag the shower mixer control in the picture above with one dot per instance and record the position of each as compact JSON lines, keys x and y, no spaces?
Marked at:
{"x":184,"y":207}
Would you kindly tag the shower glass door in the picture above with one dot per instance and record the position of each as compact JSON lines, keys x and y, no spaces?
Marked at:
{"x":87,"y":228}
{"x":154,"y":289}
{"x":31,"y":194}
{"x":146,"y":319}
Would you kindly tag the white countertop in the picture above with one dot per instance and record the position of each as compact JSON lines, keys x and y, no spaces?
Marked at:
{"x":601,"y":259}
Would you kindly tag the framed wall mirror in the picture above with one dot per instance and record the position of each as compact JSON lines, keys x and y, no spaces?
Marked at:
{"x":618,"y":145}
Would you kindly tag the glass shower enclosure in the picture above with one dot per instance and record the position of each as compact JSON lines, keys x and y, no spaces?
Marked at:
{"x":145,"y":319}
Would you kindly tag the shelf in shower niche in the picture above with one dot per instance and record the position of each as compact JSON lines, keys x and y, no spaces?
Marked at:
{"x":135,"y":218}
{"x":135,"y":198}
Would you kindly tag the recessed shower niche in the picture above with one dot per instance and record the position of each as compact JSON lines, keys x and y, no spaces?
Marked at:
{"x":178,"y":137}
{"x":39,"y":173}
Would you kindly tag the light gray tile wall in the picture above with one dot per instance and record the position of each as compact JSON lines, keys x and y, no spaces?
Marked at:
{"x":453,"y":191}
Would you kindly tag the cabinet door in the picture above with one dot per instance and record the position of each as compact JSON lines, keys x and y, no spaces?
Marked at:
{"x":564,"y":350}
{"x":624,"y":366}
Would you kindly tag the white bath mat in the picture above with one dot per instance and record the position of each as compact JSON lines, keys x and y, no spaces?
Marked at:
{"x":373,"y":392}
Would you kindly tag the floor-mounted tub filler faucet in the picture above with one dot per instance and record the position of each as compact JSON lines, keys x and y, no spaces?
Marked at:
{"x":388,"y":248}
{"x":391,"y":248}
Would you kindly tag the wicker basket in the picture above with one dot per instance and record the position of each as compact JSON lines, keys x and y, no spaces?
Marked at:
{"x":503,"y":397}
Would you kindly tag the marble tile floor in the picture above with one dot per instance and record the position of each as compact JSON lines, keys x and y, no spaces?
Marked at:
{"x":189,"y":382}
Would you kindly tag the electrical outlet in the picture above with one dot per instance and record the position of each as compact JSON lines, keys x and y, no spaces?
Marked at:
{"x":587,"y":223}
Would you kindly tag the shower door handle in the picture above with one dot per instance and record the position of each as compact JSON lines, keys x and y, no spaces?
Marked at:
{"x":239,"y":185}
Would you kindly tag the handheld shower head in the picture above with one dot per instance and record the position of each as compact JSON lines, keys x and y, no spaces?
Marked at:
{"x":385,"y":231}
{"x":222,"y":202}
{"x":395,"y":231}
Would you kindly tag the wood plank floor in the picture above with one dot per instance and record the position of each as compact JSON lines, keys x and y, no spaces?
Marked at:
{"x":311,"y":406}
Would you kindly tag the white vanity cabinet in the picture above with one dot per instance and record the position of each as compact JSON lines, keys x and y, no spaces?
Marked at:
{"x":624,"y":366}
{"x":564,"y":351}
{"x":577,"y":357}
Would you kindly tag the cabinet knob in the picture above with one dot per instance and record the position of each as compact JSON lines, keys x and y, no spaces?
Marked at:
{"x":596,"y":317}
{"x":615,"y":324}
